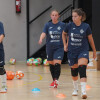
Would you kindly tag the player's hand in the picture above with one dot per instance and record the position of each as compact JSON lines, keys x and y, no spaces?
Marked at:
{"x":40,"y":42}
{"x":94,"y":54}
{"x":65,"y":48}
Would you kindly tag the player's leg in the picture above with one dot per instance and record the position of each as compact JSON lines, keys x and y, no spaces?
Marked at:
{"x":50,"y":52}
{"x":57,"y":72}
{"x":52,"y":68}
{"x":3,"y":75}
{"x":82,"y":63}
{"x":72,"y":60}
{"x":58,"y":56}
{"x":74,"y":73}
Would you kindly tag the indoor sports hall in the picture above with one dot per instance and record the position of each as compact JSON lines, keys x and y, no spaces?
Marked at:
{"x":27,"y":70}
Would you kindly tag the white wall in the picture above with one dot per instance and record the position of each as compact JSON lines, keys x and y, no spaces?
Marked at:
{"x":15,"y":30}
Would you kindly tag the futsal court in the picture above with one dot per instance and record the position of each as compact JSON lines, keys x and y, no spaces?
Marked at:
{"x":39,"y":77}
{"x":23,"y":26}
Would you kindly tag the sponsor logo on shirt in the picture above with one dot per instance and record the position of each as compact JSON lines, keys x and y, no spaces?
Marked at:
{"x":76,"y":44}
{"x":55,"y":41}
{"x":50,"y":32}
{"x":73,"y":39}
{"x":55,"y":36}
{"x":84,"y":54}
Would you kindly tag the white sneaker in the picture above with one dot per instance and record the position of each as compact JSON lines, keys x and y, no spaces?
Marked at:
{"x":75,"y":93}
{"x":84,"y":95}
{"x":3,"y":89}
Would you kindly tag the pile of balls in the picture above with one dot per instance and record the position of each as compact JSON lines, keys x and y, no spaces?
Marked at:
{"x":31,"y":61}
{"x":37,"y":61}
{"x":11,"y":75}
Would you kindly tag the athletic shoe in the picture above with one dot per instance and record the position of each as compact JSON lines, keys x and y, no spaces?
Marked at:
{"x":84,"y":95}
{"x":75,"y":93}
{"x":54,"y":84}
{"x":3,"y":89}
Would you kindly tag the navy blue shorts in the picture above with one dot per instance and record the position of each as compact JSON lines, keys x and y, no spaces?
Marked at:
{"x":2,"y":60}
{"x":54,"y":53}
{"x":73,"y":57}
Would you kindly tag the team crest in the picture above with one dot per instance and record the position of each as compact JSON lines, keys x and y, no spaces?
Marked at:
{"x":59,"y":28}
{"x":74,"y":28}
{"x":81,"y":31}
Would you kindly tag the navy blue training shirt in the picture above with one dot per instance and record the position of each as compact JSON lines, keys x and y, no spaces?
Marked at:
{"x":1,"y":32}
{"x":78,"y":36}
{"x":54,"y":34}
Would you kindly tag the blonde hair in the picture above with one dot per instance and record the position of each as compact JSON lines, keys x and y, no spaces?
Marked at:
{"x":80,"y":12}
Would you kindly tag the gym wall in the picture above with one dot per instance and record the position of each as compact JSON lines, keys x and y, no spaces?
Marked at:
{"x":15,"y":30}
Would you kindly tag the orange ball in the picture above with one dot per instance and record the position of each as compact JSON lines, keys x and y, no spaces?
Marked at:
{"x":10,"y":75}
{"x":19,"y":74}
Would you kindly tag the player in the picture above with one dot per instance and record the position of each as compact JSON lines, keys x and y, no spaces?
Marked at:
{"x":78,"y":34}
{"x":54,"y":45}
{"x":2,"y":62}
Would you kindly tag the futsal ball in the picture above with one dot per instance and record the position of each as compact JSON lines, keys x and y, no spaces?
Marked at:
{"x":39,"y":60}
{"x":10,"y":75}
{"x":19,"y":74}
{"x":12,"y":61}
{"x":36,"y":62}
{"x":29,"y":62}
{"x":32,"y":59}
{"x":45,"y":62}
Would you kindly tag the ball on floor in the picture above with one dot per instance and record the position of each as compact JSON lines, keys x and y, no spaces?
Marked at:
{"x":12,"y":61}
{"x":10,"y":75}
{"x":19,"y":74}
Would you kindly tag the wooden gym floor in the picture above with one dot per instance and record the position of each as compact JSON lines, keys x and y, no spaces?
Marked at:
{"x":39,"y":77}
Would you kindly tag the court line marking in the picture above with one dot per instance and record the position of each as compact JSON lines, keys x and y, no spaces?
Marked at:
{"x":40,"y":78}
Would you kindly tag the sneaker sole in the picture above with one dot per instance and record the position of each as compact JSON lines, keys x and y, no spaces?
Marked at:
{"x":84,"y":96}
{"x":53,"y":86}
{"x":74,"y":95}
{"x":4,"y":92}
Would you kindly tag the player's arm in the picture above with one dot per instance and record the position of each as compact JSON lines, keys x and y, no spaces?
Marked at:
{"x":42,"y":36}
{"x":1,"y":37}
{"x":91,"y":41}
{"x":64,"y":35}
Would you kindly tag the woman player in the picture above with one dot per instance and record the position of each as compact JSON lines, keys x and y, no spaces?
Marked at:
{"x":78,"y":34}
{"x":54,"y":45}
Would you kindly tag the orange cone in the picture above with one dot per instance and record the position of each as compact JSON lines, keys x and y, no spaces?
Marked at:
{"x":88,"y":87}
{"x":60,"y":95}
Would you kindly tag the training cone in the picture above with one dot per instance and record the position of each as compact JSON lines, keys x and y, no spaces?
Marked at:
{"x":35,"y":90}
{"x":61,"y":95}
{"x":88,"y":87}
